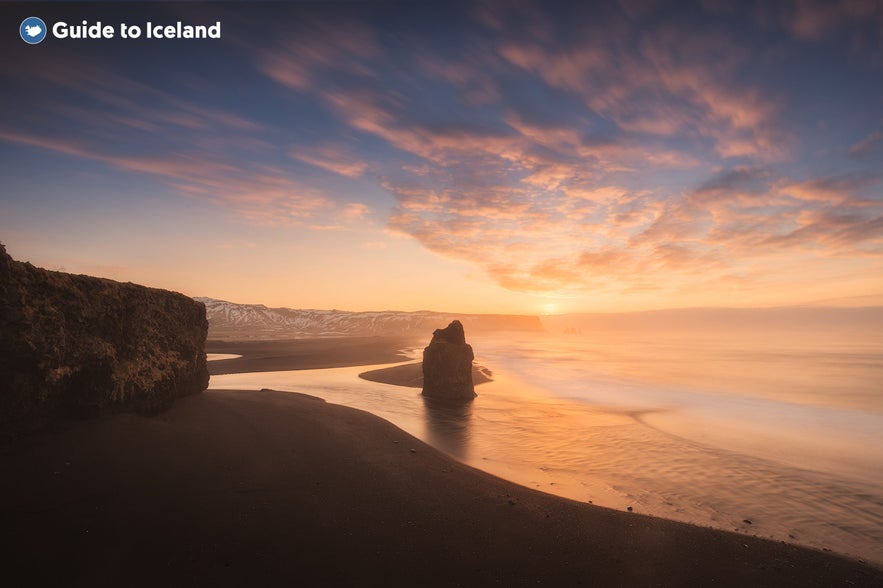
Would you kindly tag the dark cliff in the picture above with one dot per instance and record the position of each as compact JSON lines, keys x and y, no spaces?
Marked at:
{"x":72,"y":344}
{"x":447,"y":365}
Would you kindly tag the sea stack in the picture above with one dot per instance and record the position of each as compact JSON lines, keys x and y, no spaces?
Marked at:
{"x":447,"y":365}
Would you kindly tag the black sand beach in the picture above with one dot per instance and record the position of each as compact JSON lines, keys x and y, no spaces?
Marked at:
{"x":272,"y":488}
{"x":306,"y":354}
{"x":278,"y":488}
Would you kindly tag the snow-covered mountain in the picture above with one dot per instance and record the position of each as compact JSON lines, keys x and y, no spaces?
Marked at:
{"x":255,"y":321}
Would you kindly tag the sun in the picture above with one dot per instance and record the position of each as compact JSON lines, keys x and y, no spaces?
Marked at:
{"x":549,"y":308}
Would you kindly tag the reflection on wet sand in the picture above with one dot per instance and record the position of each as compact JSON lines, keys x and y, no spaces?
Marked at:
{"x":620,"y":443}
{"x":448,"y":425}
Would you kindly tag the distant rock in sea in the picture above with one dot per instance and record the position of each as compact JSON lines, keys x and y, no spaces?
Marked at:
{"x":447,"y":365}
{"x":73,"y":344}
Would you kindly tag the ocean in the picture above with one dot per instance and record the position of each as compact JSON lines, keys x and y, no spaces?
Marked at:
{"x":774,"y":434}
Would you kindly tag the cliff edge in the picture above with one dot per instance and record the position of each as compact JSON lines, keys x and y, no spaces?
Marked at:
{"x":79,"y":345}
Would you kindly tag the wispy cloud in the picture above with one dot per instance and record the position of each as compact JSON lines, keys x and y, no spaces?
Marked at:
{"x":870,"y":144}
{"x":549,"y":199}
{"x":816,"y":19}
{"x":203,"y":151}
{"x":318,"y":46}
{"x":258,"y":194}
{"x":334,"y":158}
{"x":624,"y":146}
{"x":679,"y":82}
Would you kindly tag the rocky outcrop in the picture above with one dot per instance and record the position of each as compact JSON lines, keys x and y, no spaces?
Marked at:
{"x":447,"y":365}
{"x":73,"y":344}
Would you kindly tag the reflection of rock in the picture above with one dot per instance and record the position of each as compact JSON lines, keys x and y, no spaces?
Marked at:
{"x":447,"y":365}
{"x":448,"y":425}
{"x":80,"y":344}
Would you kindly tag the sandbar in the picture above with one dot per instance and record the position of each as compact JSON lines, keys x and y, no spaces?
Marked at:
{"x":306,"y":354}
{"x":411,"y":375}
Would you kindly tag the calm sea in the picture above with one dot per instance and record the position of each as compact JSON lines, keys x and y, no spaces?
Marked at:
{"x":775,"y":435}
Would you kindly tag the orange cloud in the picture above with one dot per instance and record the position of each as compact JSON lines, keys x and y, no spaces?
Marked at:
{"x":316,"y":46}
{"x":336,"y":159}
{"x":678,"y":83}
{"x":867,"y":145}
{"x":816,"y":19}
{"x":258,"y":194}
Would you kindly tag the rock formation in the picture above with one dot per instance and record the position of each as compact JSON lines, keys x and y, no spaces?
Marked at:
{"x":447,"y":365}
{"x":79,"y":344}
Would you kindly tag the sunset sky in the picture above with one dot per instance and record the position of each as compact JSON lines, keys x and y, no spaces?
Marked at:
{"x":466,"y":157}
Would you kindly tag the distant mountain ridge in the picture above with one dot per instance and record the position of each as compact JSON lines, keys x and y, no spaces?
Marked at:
{"x":230,"y":320}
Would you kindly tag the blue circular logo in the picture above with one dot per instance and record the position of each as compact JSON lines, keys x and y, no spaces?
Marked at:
{"x":32,"y":30}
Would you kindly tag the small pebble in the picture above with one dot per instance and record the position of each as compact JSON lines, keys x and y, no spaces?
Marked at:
{"x":413,"y":450}
{"x":746,"y":521}
{"x":630,"y":509}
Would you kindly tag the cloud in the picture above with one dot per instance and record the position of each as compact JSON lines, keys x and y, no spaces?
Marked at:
{"x":334,"y":158}
{"x":256,"y":193}
{"x":470,"y":75}
{"x":680,"y":221}
{"x":577,"y":239}
{"x":854,"y":188}
{"x":741,"y":183}
{"x":317,"y":46}
{"x":202,"y":151}
{"x":869,"y":144}
{"x":817,"y":19}
{"x":127,"y":100}
{"x":540,"y":198}
{"x":678,"y":83}
{"x":622,"y":147}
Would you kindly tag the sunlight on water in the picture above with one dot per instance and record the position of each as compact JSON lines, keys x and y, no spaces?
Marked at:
{"x":220,"y":356}
{"x":784,"y":400}
{"x":713,"y":431}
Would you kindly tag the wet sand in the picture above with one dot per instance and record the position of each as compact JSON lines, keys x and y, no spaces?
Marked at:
{"x":306,"y":354}
{"x":267,"y":488}
{"x":411,"y":375}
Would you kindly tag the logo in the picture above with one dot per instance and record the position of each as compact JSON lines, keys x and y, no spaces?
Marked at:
{"x":32,"y":30}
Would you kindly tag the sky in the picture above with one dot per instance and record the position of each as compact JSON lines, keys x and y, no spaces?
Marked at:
{"x":507,"y":157}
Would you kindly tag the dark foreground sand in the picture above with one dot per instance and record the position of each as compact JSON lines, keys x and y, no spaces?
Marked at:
{"x":271,"y":488}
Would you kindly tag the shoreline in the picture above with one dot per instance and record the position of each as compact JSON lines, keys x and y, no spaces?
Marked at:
{"x":306,"y":354}
{"x":230,"y":487}
{"x":609,"y":472}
